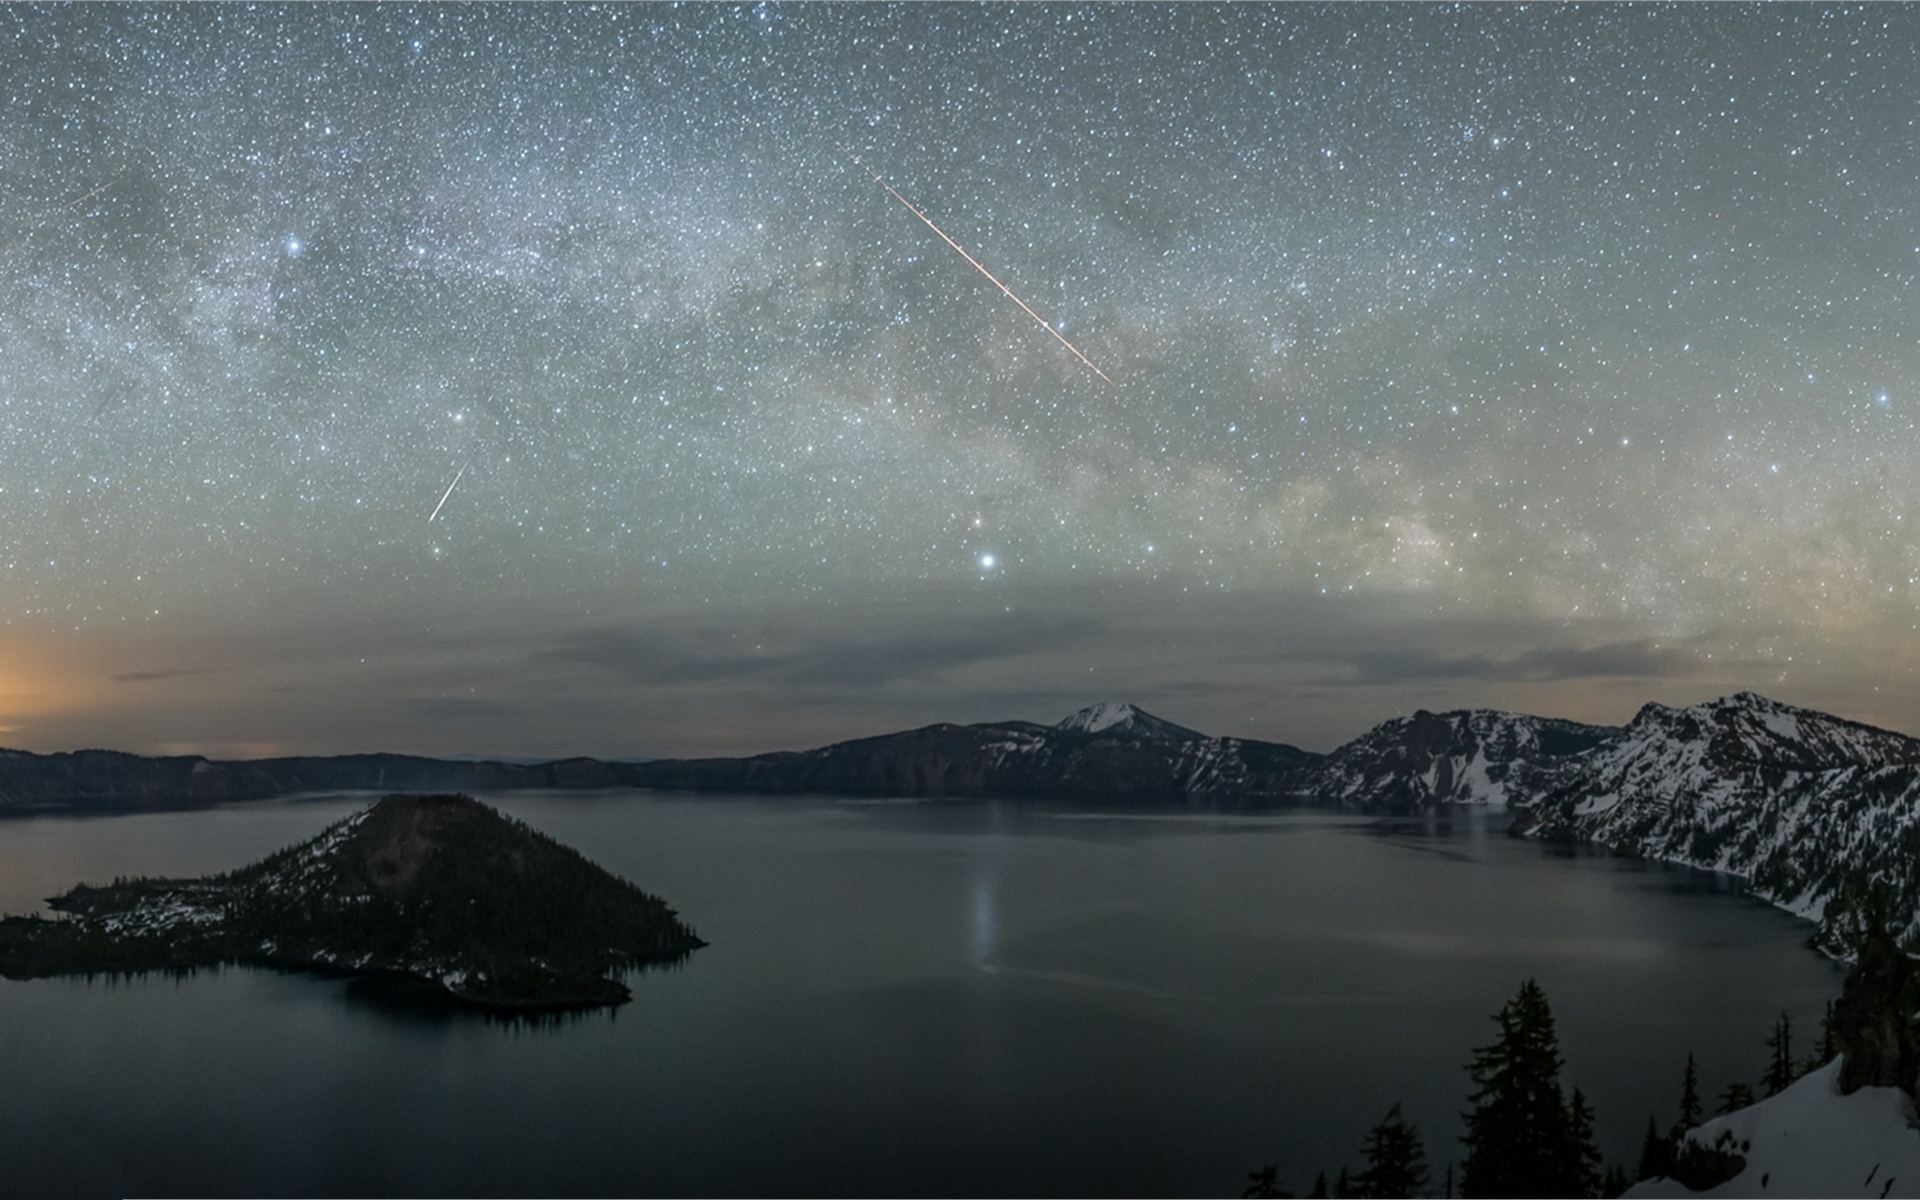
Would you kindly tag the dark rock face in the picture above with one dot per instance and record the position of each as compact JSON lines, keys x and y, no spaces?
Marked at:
{"x":438,"y":887}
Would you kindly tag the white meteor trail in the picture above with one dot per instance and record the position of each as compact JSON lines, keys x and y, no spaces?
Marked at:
{"x":79,"y":200}
{"x":928,"y":222}
{"x":449,"y":491}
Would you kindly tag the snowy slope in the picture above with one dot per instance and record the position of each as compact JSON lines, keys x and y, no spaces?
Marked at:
{"x":1812,"y":1141}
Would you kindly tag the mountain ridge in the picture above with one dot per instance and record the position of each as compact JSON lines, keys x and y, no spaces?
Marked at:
{"x":1110,"y":752}
{"x":1806,"y":807}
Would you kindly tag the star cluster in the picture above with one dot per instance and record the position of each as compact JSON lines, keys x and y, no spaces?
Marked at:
{"x":1550,"y":356}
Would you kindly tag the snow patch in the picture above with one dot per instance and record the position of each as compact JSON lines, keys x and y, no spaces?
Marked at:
{"x":1477,"y":786}
{"x":1784,"y":725}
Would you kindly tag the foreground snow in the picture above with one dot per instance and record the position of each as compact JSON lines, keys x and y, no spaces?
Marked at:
{"x":1812,"y":1141}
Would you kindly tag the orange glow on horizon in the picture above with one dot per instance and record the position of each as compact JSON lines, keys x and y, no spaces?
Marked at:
{"x":42,"y":680}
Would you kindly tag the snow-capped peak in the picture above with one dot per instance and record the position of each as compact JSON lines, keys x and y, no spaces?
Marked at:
{"x":1124,"y":719}
{"x":1095,"y":717}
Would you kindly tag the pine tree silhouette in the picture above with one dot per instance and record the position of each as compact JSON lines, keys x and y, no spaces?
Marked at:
{"x":1616,"y":1181}
{"x":1396,"y":1161}
{"x":1780,"y":1064}
{"x":1829,"y":1044}
{"x":1581,"y":1145}
{"x":1518,"y":1136}
{"x":1690,"y":1111}
{"x":1736,"y":1097}
{"x":1873,"y":1022}
{"x":1656,"y":1153}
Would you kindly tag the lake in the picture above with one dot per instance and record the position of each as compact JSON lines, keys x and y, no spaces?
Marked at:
{"x":901,"y":998}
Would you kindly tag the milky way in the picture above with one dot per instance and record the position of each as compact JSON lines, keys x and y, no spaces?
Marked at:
{"x":1542,"y":357}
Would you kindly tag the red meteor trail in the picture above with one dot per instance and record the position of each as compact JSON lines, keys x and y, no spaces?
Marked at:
{"x":976,"y":262}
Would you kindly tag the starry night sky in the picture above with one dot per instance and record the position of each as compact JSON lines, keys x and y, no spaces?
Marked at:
{"x":1549,"y":358}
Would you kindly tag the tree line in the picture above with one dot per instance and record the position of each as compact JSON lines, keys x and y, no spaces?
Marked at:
{"x":1529,"y":1136}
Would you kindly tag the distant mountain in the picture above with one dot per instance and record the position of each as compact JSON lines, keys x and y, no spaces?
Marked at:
{"x":98,"y":779}
{"x":1110,"y":752}
{"x":440,"y":888}
{"x":1472,"y":756}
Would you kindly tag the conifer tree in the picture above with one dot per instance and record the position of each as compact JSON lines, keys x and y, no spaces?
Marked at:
{"x":1517,"y":1132}
{"x":1829,"y":1044}
{"x":1319,"y":1191}
{"x":1584,"y":1151}
{"x":1689,"y":1100}
{"x":1343,"y":1186}
{"x":1263,"y":1184}
{"x":1873,"y":1020}
{"x":1396,"y":1161}
{"x":1616,"y":1181}
{"x":1736,"y":1097}
{"x":1780,"y":1066}
{"x":1656,"y":1153}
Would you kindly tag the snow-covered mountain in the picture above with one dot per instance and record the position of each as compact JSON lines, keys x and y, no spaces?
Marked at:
{"x":1799,"y":803}
{"x":1472,"y":756}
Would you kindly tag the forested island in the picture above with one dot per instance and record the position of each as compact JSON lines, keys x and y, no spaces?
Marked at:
{"x":438,"y":888}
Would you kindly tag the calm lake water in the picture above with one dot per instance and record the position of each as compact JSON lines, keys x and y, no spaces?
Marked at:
{"x":900,"y":998}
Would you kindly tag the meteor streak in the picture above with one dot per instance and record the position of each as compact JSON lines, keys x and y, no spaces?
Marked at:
{"x":928,"y":222}
{"x":77,"y":201}
{"x":449,"y":491}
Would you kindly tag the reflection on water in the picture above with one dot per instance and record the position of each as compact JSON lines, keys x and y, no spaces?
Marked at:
{"x":917,"y":998}
{"x":412,"y":1001}
{"x":983,"y":919}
